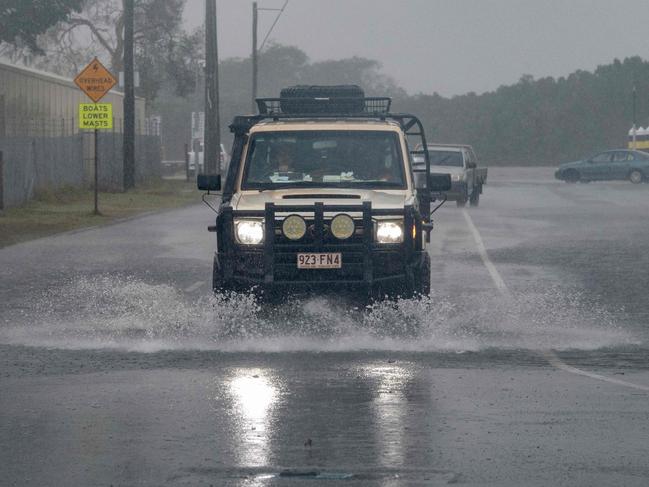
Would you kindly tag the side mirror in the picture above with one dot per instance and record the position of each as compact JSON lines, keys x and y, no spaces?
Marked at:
{"x":438,"y":183}
{"x":209,"y":182}
{"x":471,"y":165}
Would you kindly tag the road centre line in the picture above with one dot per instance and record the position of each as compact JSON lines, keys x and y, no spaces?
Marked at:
{"x":549,"y":355}
{"x":194,"y":286}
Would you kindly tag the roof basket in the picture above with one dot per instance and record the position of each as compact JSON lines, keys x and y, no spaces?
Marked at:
{"x":324,"y":105}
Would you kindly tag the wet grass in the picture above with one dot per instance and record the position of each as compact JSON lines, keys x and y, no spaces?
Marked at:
{"x":71,"y":208}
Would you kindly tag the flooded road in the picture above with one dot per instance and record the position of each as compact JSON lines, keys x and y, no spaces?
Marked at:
{"x":527,"y":366}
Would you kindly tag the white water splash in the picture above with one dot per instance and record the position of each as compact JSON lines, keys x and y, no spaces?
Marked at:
{"x":130,"y":314}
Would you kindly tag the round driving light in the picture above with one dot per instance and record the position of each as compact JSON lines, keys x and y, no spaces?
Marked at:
{"x":294,"y":227}
{"x":342,"y":227}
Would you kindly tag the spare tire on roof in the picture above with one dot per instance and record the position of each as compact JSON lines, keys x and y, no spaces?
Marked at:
{"x":322,"y":99}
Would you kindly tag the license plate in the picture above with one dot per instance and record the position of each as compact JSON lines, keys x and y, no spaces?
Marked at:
{"x":319,"y":261}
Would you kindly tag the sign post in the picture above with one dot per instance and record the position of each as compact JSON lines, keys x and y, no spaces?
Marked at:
{"x":95,"y":81}
{"x":2,"y":184}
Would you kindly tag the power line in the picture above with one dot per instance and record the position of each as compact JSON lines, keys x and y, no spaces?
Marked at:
{"x":279,"y":14}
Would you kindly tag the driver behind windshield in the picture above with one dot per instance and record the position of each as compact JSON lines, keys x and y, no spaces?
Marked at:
{"x":276,"y":162}
{"x":284,"y":158}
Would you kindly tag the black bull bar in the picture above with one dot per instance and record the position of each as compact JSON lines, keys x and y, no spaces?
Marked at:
{"x":364,"y":261}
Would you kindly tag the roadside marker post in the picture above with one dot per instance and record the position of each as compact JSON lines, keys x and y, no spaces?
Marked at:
{"x":2,"y":183}
{"x":95,"y":81}
{"x":187,"y":162}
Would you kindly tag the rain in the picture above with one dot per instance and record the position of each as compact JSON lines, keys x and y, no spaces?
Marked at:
{"x":295,"y":242}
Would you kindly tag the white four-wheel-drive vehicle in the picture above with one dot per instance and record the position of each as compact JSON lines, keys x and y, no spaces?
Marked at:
{"x":460,"y":161}
{"x":321,"y":196}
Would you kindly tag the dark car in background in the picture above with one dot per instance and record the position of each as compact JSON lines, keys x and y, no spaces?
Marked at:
{"x":621,"y":164}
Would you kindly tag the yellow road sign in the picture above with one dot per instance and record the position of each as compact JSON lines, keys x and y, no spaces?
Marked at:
{"x":95,"y":80}
{"x":95,"y":116}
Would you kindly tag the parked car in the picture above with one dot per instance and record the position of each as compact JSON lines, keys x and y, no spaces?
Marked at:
{"x":620,"y":164}
{"x":460,"y":161}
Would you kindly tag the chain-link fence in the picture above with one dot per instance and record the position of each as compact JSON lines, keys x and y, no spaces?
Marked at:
{"x":52,"y":154}
{"x":148,"y":164}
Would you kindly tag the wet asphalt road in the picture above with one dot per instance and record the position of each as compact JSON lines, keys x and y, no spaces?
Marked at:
{"x":528,"y":366}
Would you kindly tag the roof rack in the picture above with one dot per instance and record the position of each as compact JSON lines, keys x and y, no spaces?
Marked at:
{"x":324,"y":106}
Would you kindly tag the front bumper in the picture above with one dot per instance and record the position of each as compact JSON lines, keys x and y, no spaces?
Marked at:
{"x":274,"y":264}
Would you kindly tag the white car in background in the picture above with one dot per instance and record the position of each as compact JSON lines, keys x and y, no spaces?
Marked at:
{"x":460,"y":161}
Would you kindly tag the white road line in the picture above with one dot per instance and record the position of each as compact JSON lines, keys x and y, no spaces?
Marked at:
{"x":194,"y":286}
{"x":493,"y":272}
{"x":549,"y":355}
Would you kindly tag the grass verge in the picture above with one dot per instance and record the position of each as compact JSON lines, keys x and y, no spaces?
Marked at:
{"x":69,"y":209}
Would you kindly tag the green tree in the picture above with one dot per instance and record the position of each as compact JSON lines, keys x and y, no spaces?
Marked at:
{"x":22,"y":22}
{"x":279,"y":66}
{"x":163,"y":50}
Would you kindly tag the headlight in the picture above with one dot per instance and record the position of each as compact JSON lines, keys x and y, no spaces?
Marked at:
{"x":456,"y":177}
{"x":389,"y":232}
{"x":249,"y":232}
{"x":294,"y":227}
{"x":342,"y":227}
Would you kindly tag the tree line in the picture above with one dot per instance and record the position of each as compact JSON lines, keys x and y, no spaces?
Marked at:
{"x":544,"y":121}
{"x":532,"y":122}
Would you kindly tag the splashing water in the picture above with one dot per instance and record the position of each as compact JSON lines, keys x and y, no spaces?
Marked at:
{"x":127,"y":313}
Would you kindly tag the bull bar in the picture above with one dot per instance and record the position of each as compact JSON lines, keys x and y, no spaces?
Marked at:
{"x":364,"y":261}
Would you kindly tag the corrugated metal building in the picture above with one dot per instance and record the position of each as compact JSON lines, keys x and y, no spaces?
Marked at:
{"x":33,"y":102}
{"x":41,"y":146}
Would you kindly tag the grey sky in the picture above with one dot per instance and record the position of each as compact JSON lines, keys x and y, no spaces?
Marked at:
{"x":448,"y":46}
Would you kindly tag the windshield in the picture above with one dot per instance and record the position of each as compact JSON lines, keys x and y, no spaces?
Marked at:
{"x":445,"y":158}
{"x":345,"y":159}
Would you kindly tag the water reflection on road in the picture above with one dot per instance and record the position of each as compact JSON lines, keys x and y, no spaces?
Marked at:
{"x":389,"y":410}
{"x":255,"y":397}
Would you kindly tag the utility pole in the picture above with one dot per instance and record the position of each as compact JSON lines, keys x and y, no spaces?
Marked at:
{"x":212,"y":137}
{"x":129,"y":97}
{"x":254,"y":56}
{"x":255,"y":50}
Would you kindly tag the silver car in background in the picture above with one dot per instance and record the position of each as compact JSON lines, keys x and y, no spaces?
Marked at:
{"x":460,"y":161}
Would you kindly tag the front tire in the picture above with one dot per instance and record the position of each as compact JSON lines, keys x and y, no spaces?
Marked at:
{"x":422,"y":278}
{"x":636,"y":177}
{"x":217,"y":279}
{"x":219,"y":284}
